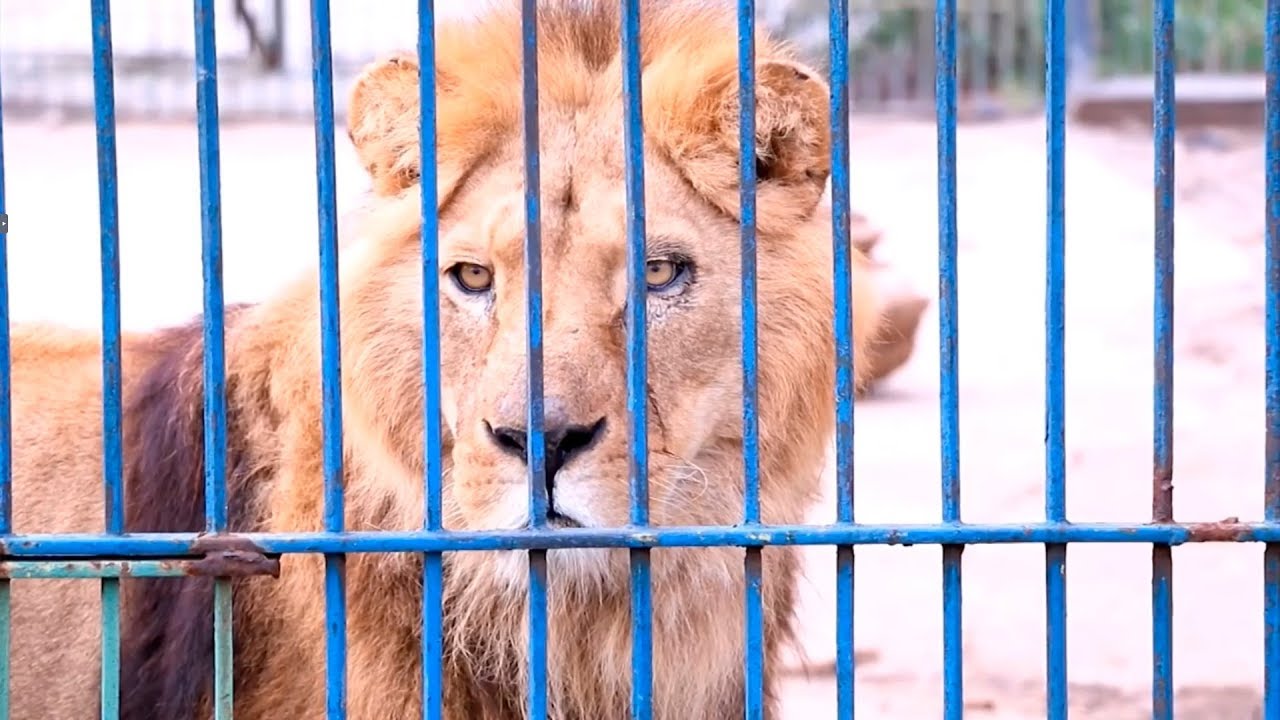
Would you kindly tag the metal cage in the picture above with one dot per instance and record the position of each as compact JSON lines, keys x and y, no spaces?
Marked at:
{"x":108,"y":556}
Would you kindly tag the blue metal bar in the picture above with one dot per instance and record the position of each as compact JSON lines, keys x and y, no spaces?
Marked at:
{"x":108,"y":218}
{"x":215,"y":405}
{"x":838,"y":28}
{"x":433,"y":515}
{"x":535,"y":439}
{"x":637,"y":290}
{"x":112,"y":403}
{"x":6,"y":437}
{"x":6,"y":413}
{"x":215,"y":402}
{"x":842,"y":259}
{"x":753,"y":656}
{"x":335,"y":602}
{"x":747,"y":200}
{"x":1055,"y":489}
{"x":1271,"y":628}
{"x":79,"y":545}
{"x":1162,"y":481}
{"x":637,"y":358}
{"x":536,"y":442}
{"x":1272,"y":493}
{"x":948,"y":361}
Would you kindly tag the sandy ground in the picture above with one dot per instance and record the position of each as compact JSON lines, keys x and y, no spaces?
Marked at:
{"x":1218,"y":427}
{"x":268,"y":213}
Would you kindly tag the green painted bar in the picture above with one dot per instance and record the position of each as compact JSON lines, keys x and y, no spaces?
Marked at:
{"x":87,"y":569}
{"x":110,"y":648}
{"x":222,"y":658}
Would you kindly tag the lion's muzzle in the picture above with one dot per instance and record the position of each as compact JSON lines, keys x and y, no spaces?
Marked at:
{"x":565,"y":438}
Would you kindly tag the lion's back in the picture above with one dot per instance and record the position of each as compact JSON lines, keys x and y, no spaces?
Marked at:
{"x":57,"y":488}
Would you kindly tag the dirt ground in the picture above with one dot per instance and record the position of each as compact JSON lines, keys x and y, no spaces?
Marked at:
{"x":1109,"y":281}
{"x":269,"y":192}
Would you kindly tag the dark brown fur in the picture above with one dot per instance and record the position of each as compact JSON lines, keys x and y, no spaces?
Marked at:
{"x":167,"y":623}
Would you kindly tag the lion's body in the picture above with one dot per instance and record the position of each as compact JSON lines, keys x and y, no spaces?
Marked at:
{"x":274,"y":438}
{"x":57,"y":466}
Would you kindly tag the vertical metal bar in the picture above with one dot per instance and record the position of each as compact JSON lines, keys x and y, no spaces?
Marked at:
{"x":747,"y":199}
{"x":6,"y":436}
{"x":1272,"y":470}
{"x":1055,"y":489}
{"x":949,"y":399}
{"x":330,"y":363}
{"x":637,"y":394}
{"x":112,"y":444}
{"x":1162,"y":480}
{"x":535,"y":444}
{"x":215,"y":403}
{"x":433,"y":563}
{"x":838,"y":30}
{"x":108,"y":215}
{"x":211,"y":234}
{"x":6,"y":416}
{"x":754,"y":654}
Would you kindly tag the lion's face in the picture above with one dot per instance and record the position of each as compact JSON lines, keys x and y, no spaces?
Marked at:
{"x":693,"y":371}
{"x":693,"y":392}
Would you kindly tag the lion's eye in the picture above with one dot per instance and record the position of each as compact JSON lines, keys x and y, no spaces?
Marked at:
{"x":471,"y":277}
{"x":662,"y":274}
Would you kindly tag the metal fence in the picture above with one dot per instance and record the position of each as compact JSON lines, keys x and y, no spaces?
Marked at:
{"x":142,"y":554}
{"x":264,"y":63}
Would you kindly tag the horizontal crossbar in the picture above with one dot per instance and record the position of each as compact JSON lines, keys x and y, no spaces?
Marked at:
{"x":216,"y":564}
{"x":50,"y":546}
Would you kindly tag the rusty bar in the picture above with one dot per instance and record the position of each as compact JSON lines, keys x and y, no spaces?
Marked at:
{"x":221,"y":564}
{"x":1164,"y":123}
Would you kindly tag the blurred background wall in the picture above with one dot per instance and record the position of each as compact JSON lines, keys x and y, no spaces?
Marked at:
{"x":264,"y":51}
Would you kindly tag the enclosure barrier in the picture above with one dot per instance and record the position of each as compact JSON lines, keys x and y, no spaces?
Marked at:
{"x":110,"y":555}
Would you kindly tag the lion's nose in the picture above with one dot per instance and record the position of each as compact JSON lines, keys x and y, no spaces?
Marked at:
{"x":564,"y":439}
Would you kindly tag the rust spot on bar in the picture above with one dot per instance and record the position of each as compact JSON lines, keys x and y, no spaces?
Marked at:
{"x":1225,"y":530}
{"x":234,"y":563}
{"x":207,"y":543}
{"x":1162,"y":494}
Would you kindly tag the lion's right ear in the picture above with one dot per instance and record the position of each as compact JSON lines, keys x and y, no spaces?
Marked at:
{"x":382,"y":122}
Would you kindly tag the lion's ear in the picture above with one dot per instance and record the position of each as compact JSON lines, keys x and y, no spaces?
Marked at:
{"x":382,"y":122}
{"x":692,"y":112}
{"x":793,"y":134}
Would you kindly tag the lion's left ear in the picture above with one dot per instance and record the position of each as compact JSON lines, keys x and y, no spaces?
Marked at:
{"x":692,"y":112}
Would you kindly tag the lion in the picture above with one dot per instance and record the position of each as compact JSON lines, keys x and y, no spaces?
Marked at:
{"x":274,"y":406}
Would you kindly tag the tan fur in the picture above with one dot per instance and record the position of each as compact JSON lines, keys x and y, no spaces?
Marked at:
{"x":694,"y":375}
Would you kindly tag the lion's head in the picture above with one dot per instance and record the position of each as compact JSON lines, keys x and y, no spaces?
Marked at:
{"x":694,"y":278}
